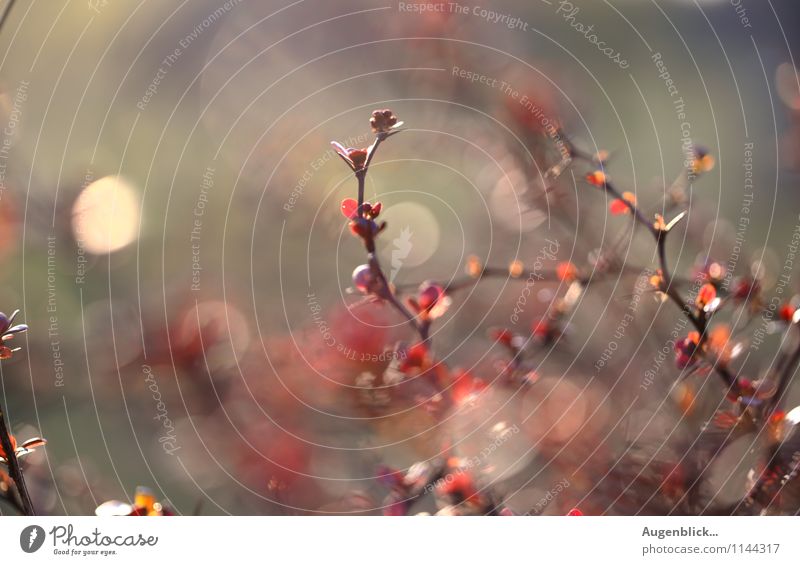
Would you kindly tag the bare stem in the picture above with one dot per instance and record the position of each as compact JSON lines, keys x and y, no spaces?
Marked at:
{"x":384,"y":288}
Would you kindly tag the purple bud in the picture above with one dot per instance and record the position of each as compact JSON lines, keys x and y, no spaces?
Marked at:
{"x":363,"y":278}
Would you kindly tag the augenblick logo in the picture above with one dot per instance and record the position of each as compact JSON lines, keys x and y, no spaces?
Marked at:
{"x":67,"y":542}
{"x":31,"y":538}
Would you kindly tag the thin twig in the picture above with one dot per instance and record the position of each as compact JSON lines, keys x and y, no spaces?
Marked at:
{"x":384,"y":288}
{"x":699,"y":322}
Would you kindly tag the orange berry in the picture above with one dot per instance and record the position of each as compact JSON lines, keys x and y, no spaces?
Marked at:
{"x":567,"y":271}
{"x":705,"y":295}
{"x":597,"y":178}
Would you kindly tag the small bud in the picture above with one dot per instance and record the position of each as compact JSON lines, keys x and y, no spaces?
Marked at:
{"x":382,"y":121}
{"x":474,"y":267}
{"x":515,"y":269}
{"x":596,"y":178}
{"x":702,"y":162}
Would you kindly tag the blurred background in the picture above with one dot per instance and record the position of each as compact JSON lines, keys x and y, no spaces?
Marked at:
{"x":171,"y":233}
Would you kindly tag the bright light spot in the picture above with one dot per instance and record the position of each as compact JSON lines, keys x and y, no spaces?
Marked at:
{"x":794,"y":415}
{"x":412,"y":236}
{"x":105,"y":216}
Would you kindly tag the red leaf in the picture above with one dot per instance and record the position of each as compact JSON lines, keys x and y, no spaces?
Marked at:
{"x":349,"y":208}
{"x":618,"y":207}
